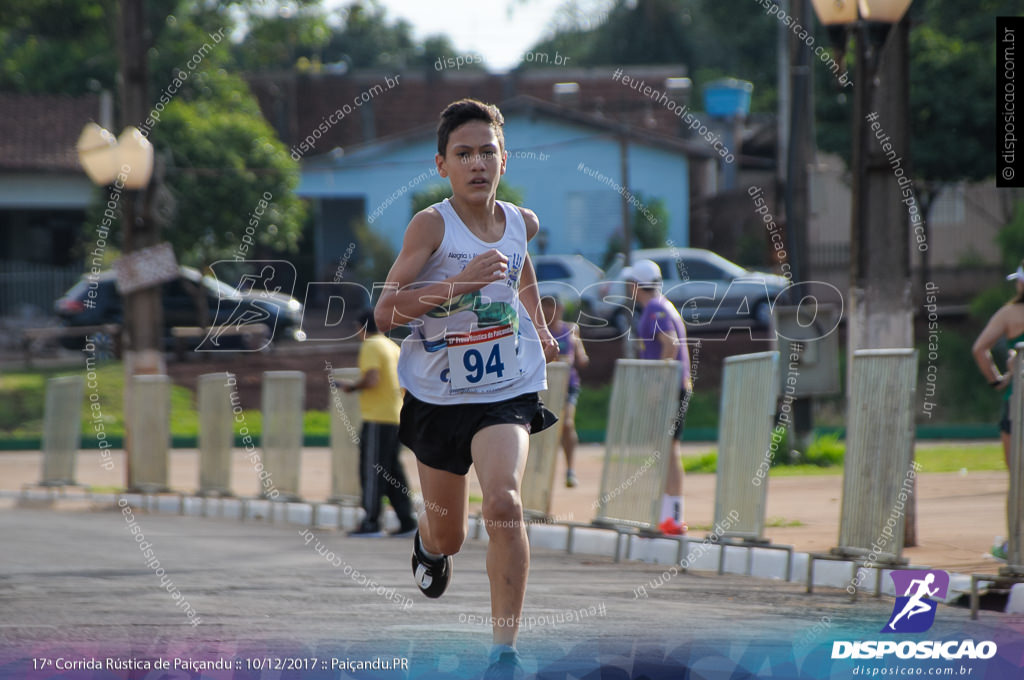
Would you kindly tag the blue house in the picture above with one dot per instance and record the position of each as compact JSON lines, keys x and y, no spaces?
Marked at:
{"x":565,"y":163}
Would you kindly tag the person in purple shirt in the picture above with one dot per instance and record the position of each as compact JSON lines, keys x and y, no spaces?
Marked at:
{"x":572,"y":352}
{"x":662,"y":335}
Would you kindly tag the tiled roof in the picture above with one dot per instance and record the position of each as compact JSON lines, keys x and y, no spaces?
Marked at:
{"x":38,"y":132}
{"x":297,"y":104}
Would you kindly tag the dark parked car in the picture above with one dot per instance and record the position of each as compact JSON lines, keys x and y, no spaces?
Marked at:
{"x":181,"y":306}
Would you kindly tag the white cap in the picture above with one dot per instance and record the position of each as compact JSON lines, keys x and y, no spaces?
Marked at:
{"x":1017,"y":275}
{"x":644,"y":272}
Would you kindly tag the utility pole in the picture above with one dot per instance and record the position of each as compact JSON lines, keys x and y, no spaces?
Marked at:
{"x":798,"y":158}
{"x":143,"y":315}
{"x":881,"y":307}
{"x":627,"y":227}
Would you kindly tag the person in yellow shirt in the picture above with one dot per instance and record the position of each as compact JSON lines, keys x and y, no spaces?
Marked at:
{"x":380,"y":401}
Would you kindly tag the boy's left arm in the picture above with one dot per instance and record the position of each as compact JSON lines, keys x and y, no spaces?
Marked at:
{"x":529,"y":295}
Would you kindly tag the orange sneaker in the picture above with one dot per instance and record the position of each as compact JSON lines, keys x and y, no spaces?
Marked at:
{"x":670,"y":527}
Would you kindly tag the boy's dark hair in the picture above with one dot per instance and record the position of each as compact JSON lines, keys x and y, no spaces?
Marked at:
{"x":463,"y":111}
{"x":366,"y":319}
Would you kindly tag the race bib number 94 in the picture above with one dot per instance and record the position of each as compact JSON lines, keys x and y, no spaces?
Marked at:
{"x":482,"y":357}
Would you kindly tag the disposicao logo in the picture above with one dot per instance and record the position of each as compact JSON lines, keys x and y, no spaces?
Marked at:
{"x":914,"y":612}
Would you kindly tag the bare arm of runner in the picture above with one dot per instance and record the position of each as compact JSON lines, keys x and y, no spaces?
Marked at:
{"x":399,"y":304}
{"x":982,"y":350}
{"x":529,"y":296}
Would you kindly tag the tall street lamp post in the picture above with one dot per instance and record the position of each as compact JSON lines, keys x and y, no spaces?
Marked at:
{"x":880,"y":303}
{"x":127,"y":164}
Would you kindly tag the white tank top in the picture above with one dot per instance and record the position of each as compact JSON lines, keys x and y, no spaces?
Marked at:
{"x":495,"y":354}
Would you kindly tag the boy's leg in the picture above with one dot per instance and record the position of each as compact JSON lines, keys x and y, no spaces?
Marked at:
{"x":569,"y":436}
{"x":674,"y":474}
{"x":446,"y":507}
{"x":499,"y":455}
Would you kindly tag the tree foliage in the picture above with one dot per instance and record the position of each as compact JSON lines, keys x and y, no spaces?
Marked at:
{"x":952,"y":59}
{"x":711,"y":39}
{"x":649,"y":230}
{"x":227,"y":166}
{"x":219,"y":154}
{"x":281,"y":40}
{"x":368,"y":39}
{"x":952,"y":93}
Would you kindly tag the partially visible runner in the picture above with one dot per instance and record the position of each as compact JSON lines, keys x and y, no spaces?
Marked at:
{"x":662,"y":335}
{"x":472,"y":365}
{"x":1007,"y":323}
{"x":380,"y":401}
{"x":572,"y":352}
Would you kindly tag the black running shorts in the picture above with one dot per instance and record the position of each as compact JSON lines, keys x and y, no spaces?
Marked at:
{"x":440,"y":436}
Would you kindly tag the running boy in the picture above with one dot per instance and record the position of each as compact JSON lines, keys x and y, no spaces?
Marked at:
{"x":472,"y":365}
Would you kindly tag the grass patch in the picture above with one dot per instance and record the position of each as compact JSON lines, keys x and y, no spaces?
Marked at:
{"x":24,"y":398}
{"x":592,"y":408}
{"x":783,"y":523}
{"x":955,"y":457}
{"x":826,"y":458}
{"x":106,"y":489}
{"x":701,"y":464}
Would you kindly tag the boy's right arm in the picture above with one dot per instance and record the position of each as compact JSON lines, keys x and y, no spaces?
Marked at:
{"x":399,"y":303}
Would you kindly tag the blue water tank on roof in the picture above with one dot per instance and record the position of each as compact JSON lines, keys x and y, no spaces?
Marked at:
{"x":727,"y":97}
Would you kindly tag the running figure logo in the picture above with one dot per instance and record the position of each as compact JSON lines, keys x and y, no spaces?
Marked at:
{"x":253,"y":306}
{"x":915,"y":612}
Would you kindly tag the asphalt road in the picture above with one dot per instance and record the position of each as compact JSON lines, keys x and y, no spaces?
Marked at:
{"x":78,"y":584}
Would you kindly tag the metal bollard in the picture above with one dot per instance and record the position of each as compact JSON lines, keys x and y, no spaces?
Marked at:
{"x":218,"y":393}
{"x":346,"y":425}
{"x":539,"y":476}
{"x":151,"y":436}
{"x":284,"y":396}
{"x":62,"y":430}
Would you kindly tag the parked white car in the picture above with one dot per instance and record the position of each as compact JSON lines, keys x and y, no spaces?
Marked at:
{"x":565,"y":276}
{"x":706,"y":288}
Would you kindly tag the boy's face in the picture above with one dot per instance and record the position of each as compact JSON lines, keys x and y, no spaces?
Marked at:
{"x":474,"y":161}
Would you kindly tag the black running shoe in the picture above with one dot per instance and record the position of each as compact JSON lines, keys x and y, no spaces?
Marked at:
{"x":432,"y":576}
{"x":366,"y":531}
{"x":505,"y":667}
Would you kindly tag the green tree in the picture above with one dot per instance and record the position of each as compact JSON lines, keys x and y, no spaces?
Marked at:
{"x":225,"y":165}
{"x":711,"y":39}
{"x":1011,"y":244}
{"x":373,"y":254}
{"x":219,"y":154}
{"x":368,"y":39}
{"x":649,"y":228}
{"x":952,"y":95}
{"x":280,"y":40}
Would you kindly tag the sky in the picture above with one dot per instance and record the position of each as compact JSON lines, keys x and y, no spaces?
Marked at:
{"x":500,"y":31}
